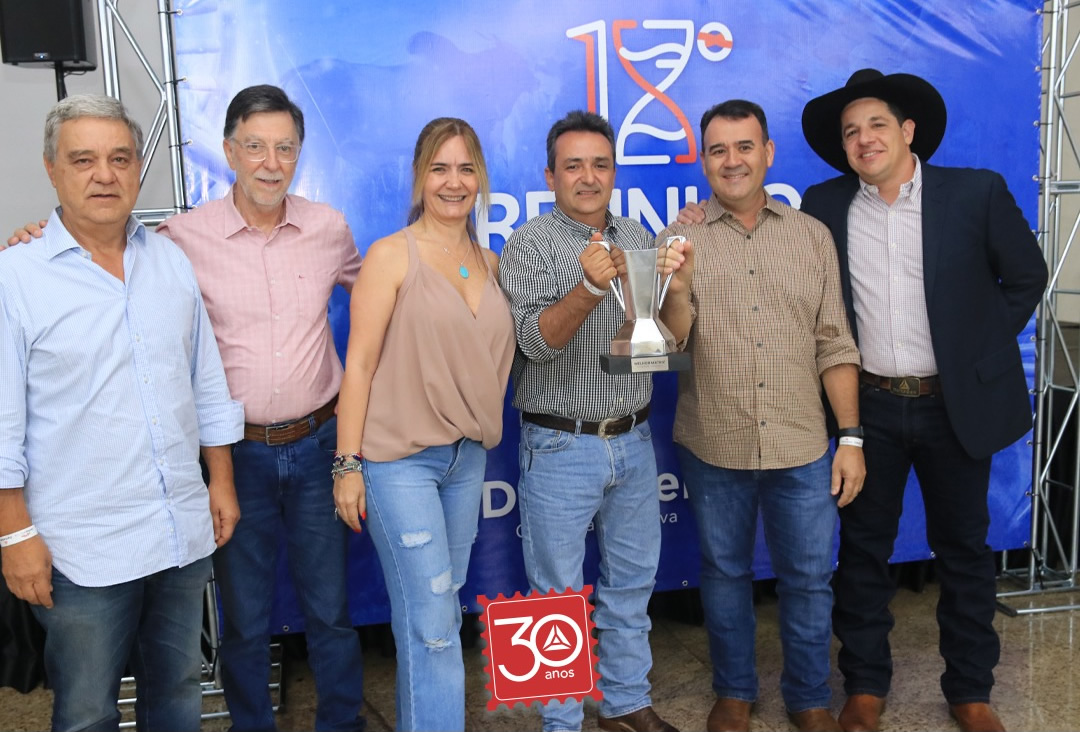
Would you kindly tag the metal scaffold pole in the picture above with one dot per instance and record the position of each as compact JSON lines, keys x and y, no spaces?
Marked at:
{"x":1051,"y":565}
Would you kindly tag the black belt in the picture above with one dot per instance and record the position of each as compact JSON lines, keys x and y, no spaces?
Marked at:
{"x":604,"y":428}
{"x":906,"y":386}
{"x":286,"y":432}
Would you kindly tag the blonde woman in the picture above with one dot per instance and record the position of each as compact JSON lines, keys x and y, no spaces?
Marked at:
{"x":429,"y":356}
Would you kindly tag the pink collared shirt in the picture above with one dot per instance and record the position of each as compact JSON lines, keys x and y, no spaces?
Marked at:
{"x":267,"y":299}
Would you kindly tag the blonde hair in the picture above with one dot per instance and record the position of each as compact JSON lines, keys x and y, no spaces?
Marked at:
{"x":432,"y":137}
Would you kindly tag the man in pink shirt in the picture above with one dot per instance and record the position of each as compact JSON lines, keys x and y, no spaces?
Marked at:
{"x":266,"y":263}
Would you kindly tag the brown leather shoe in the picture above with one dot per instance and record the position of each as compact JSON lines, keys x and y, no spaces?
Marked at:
{"x":814,"y":720}
{"x":862,"y":713}
{"x":976,"y":717}
{"x":643,"y":720}
{"x":729,"y":715}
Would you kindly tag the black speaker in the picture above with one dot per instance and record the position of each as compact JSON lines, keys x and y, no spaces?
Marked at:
{"x":47,"y":32}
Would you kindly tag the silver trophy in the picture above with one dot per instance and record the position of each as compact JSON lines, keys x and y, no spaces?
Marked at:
{"x":643,"y":343}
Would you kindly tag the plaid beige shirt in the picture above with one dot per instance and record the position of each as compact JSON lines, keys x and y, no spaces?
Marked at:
{"x":769,"y":320}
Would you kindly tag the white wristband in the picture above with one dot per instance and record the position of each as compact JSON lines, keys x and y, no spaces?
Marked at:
{"x":593,"y":288}
{"x":851,"y":441}
{"x":21,"y":535}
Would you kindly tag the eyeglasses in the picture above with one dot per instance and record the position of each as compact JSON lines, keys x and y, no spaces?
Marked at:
{"x":257,"y":152}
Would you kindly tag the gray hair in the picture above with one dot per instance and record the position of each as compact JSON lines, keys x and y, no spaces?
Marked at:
{"x":87,"y":105}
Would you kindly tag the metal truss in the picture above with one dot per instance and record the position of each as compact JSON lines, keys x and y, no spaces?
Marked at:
{"x":1055,"y":498}
{"x":167,"y":117}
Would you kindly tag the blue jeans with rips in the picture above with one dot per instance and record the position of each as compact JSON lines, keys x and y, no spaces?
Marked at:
{"x":288,"y":488}
{"x":568,"y":481}
{"x":799,"y":515}
{"x":92,"y":632}
{"x":422,"y":514}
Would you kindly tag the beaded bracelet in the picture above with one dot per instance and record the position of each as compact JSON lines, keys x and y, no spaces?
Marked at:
{"x":344,"y":464}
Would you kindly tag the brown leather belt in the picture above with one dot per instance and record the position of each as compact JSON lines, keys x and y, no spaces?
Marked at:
{"x":605,"y":428}
{"x":285,"y":432}
{"x":906,"y":386}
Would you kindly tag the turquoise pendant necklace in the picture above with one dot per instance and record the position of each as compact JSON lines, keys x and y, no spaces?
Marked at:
{"x":462,"y":269}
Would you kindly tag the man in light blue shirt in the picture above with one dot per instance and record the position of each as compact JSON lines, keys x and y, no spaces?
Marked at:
{"x":112,"y":386}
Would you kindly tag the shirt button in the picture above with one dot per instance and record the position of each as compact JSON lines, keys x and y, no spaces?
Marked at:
{"x":755,"y":308}
{"x":759,"y":344}
{"x":747,"y":236}
{"x":762,"y":423}
{"x":751,"y":271}
{"x":146,"y":379}
{"x":761,"y":384}
{"x":153,"y":421}
{"x":278,"y":354}
{"x":277,"y":390}
{"x":892,"y":246}
{"x":161,"y":461}
{"x":273,"y":282}
{"x":277,"y":317}
{"x":138,"y":339}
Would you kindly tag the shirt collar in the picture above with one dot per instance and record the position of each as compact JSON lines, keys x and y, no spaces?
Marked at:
{"x":58,"y":239}
{"x":714,"y":210}
{"x":907,"y":190}
{"x":575,"y":225}
{"x":234,"y":220}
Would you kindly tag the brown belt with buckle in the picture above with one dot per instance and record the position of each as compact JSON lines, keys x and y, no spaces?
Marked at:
{"x":605,"y":428}
{"x":286,"y":432}
{"x":906,"y":386}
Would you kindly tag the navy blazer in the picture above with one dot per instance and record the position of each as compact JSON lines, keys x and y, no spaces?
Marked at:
{"x":983,"y":274}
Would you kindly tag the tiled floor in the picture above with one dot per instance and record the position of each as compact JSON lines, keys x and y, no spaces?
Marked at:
{"x":1038,"y":680}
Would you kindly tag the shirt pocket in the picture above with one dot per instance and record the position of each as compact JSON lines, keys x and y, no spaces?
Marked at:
{"x":313,"y":292}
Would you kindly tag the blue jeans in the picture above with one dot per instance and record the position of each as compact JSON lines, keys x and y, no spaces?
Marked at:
{"x":288,"y":488}
{"x":568,"y":481}
{"x":902,"y":433}
{"x":155,"y":623}
{"x":422,"y":514}
{"x":799,"y":515}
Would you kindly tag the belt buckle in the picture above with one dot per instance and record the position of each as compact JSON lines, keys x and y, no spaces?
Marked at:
{"x":272,"y":430}
{"x":905,"y":386}
{"x":604,"y":425}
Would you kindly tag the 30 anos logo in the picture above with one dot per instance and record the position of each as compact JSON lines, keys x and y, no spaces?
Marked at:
{"x":539,"y":647}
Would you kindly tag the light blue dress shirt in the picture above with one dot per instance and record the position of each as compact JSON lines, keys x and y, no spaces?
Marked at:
{"x":107,"y":390}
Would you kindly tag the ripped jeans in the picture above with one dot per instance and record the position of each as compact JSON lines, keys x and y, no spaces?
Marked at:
{"x":422,"y":514}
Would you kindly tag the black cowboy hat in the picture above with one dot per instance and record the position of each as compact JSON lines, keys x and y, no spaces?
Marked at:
{"x":915,"y":97}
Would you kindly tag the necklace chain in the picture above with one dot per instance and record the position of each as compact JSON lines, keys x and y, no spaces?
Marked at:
{"x":463,"y":271}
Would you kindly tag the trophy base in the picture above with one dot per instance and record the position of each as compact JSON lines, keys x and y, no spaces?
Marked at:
{"x":617,"y":365}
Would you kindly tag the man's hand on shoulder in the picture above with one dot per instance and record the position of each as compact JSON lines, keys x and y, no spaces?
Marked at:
{"x":691,"y":213}
{"x":24,"y":234}
{"x":28,"y":571}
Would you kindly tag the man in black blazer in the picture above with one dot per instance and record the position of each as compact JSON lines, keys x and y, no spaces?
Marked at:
{"x":940,"y":272}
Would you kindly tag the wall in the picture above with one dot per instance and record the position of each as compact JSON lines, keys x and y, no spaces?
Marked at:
{"x":29,"y":93}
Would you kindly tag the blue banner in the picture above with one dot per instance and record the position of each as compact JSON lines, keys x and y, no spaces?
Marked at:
{"x":369,"y":75}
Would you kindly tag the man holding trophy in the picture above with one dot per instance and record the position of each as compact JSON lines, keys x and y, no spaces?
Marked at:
{"x":586,"y":452}
{"x":766,"y":325}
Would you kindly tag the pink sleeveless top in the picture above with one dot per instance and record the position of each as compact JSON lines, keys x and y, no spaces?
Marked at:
{"x":442,"y":373}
